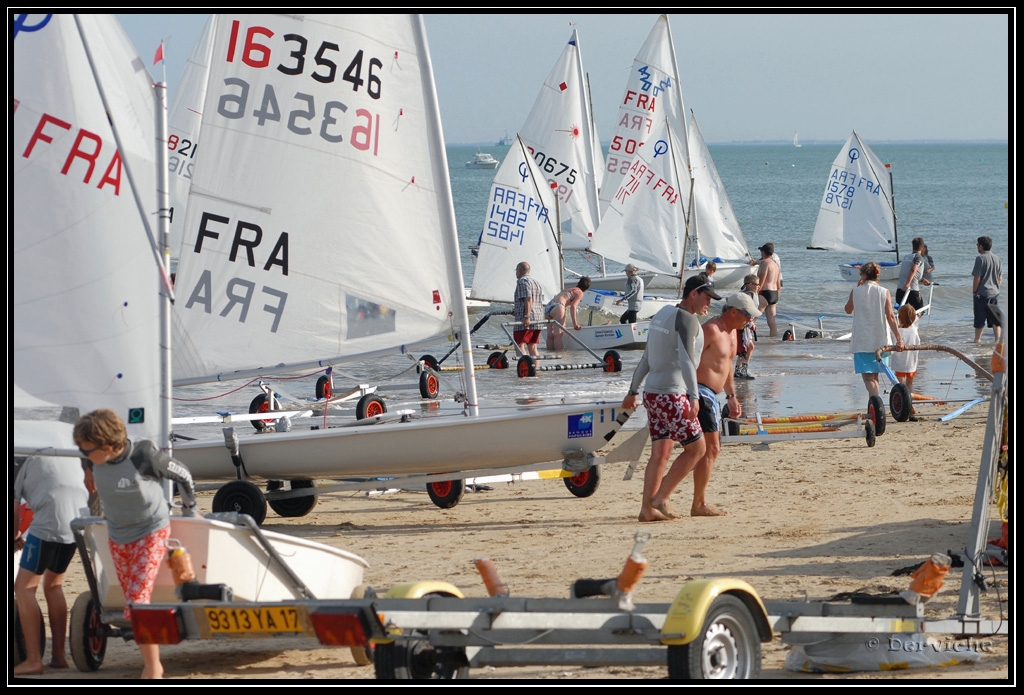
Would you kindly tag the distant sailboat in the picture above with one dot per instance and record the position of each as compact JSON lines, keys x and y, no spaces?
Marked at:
{"x":796,"y":140}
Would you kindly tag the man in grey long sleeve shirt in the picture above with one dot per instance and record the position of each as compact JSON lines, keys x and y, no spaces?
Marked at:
{"x":671,"y":396}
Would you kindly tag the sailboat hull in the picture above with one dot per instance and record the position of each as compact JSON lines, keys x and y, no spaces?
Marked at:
{"x":729,"y":275}
{"x":432,"y":444}
{"x":615,"y":336}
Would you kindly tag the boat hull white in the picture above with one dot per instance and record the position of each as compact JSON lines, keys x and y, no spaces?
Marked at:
{"x":851,"y":271}
{"x":596,"y":302}
{"x":431,"y":444}
{"x":728,"y":276}
{"x":224,"y":553}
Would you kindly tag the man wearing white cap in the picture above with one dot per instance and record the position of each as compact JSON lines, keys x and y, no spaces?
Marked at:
{"x":634,"y":295}
{"x":715,"y":374}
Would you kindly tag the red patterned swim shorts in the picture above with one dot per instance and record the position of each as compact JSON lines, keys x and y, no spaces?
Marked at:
{"x":671,"y":416}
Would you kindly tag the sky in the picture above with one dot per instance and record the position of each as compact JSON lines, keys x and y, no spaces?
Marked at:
{"x":746,"y":76}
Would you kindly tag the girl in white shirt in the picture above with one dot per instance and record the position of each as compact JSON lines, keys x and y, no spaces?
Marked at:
{"x":905,"y":363}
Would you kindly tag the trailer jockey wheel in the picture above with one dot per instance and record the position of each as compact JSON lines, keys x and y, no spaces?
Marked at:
{"x":526,"y":366}
{"x":583,"y":484}
{"x":261,"y":404}
{"x":323,"y":388}
{"x":612,"y":361}
{"x":429,"y":385}
{"x":497,"y":360}
{"x":370,"y":406}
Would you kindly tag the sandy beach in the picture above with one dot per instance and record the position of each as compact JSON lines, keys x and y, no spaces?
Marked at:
{"x":805,"y":518}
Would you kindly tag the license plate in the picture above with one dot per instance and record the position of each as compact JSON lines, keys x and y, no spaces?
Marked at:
{"x":262,"y":619}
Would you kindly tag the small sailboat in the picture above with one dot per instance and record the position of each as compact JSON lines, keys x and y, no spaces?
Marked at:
{"x":273,"y":277}
{"x":857,"y":212}
{"x":796,"y":140}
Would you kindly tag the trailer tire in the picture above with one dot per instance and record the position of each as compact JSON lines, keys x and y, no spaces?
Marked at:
{"x":87,"y":637}
{"x":260,"y":404}
{"x":242,"y":497}
{"x":414,"y":658}
{"x":497,"y":360}
{"x":323,"y":388}
{"x":876,"y":413}
{"x":429,"y":385}
{"x":18,"y":650}
{"x":431,"y":362}
{"x":728,"y":646}
{"x":869,"y":432}
{"x":901,"y":402}
{"x":363,"y":654}
{"x":293,"y":506}
{"x":526,"y":366}
{"x":584,"y":484}
{"x":446,"y":493}
{"x":370,"y":406}
{"x":612,"y":362}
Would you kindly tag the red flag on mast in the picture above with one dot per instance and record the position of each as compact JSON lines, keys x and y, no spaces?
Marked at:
{"x":159,"y":53}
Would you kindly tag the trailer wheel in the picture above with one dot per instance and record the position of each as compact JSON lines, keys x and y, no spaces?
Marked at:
{"x":446,"y":493}
{"x":261,"y":404}
{"x":431,"y":362}
{"x":243,"y":497}
{"x":292,"y":506}
{"x":869,"y":432}
{"x":584,"y":484}
{"x":497,"y":360}
{"x":876,"y":413}
{"x":526,"y":366}
{"x":370,"y":406}
{"x":323,"y":388}
{"x":612,"y":361}
{"x":88,"y":640}
{"x":417,"y":659}
{"x":18,"y":650}
{"x":901,"y":402}
{"x":363,"y":654}
{"x":728,"y":646}
{"x":429,"y":385}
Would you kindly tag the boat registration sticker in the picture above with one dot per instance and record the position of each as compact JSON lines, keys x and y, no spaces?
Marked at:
{"x":261,"y":619}
{"x":581,"y":425}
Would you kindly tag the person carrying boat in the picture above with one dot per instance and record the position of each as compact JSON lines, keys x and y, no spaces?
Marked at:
{"x":528,"y":310}
{"x":769,"y":275}
{"x":128,"y":477}
{"x":714,"y":375}
{"x":675,"y":342}
{"x":874,"y":325}
{"x":634,"y":295}
{"x":908,"y":287}
{"x":556,"y":310}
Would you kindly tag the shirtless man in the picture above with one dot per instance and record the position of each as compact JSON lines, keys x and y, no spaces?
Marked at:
{"x":769,"y":275}
{"x":715,"y":374}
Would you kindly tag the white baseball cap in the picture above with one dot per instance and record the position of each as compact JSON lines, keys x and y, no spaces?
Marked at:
{"x":744,"y":302}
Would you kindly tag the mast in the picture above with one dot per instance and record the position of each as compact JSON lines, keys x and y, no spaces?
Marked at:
{"x":895,"y":236}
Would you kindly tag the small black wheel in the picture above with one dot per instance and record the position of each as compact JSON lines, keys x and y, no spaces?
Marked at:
{"x":446,"y":493}
{"x":612,"y":362}
{"x":323,"y":388}
{"x":584,"y":484}
{"x":292,"y":506}
{"x":370,"y":406}
{"x":18,"y":651}
{"x":876,"y":413}
{"x":87,"y":634}
{"x":869,"y":432}
{"x":497,"y":360}
{"x":431,"y":362}
{"x":727,"y":648}
{"x":243,"y":497}
{"x":429,"y":385}
{"x":901,"y":402}
{"x":417,"y":659}
{"x":261,"y":404}
{"x":526,"y":366}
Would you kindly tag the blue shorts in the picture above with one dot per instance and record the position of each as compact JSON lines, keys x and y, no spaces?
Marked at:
{"x":710,"y":413}
{"x":865,"y":363}
{"x":38,"y":555}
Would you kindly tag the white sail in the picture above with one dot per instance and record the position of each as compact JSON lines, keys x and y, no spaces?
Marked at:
{"x":796,"y":140}
{"x":559,"y":134}
{"x":652,"y":94}
{"x":645,"y":223}
{"x":322,"y":163}
{"x":856,"y":212}
{"x":86,"y":284}
{"x":716,"y":228}
{"x":519,"y":225}
{"x":183,"y":122}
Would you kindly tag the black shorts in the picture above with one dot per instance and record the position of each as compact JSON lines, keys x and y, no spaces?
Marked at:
{"x":982,"y":314}
{"x":628,"y":316}
{"x":771,"y":296}
{"x":38,"y":555}
{"x":913,"y":298}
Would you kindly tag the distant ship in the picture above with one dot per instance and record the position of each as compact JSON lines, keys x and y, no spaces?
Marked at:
{"x":504,"y":142}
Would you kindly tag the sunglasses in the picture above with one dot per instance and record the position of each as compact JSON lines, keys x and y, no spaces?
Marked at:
{"x":87,"y":452}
